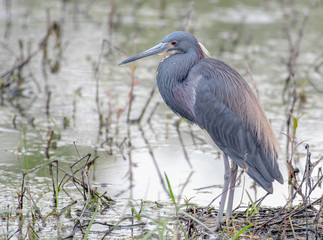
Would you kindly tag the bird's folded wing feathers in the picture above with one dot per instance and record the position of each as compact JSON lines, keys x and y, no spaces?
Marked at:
{"x":225,"y":110}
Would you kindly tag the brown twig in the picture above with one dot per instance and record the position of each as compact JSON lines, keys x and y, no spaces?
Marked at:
{"x":294,"y":47}
{"x":305,"y":197}
{"x":25,"y":61}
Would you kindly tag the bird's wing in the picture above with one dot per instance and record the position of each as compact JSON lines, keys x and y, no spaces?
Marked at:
{"x":225,"y":110}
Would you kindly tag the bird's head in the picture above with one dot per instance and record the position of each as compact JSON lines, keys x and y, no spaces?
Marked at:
{"x":175,"y":43}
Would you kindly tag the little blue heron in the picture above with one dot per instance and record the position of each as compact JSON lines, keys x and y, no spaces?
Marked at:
{"x":213,"y":95}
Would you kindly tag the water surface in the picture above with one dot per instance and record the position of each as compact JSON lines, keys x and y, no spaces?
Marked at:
{"x":238,"y":33}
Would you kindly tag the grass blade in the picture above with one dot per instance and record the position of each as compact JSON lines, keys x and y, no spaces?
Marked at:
{"x":170,"y":189}
{"x":92,"y":220}
{"x":184,"y":231}
{"x":194,"y":219}
{"x":241,"y":231}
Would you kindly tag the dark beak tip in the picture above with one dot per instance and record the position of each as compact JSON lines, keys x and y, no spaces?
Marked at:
{"x":122,"y":63}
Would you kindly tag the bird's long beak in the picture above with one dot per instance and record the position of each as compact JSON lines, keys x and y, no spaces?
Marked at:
{"x":160,"y":48}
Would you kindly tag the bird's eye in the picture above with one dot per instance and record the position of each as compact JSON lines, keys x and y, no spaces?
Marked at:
{"x":173,"y":43}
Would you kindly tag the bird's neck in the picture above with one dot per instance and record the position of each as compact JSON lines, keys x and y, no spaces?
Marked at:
{"x":175,"y":68}
{"x":172,"y":82}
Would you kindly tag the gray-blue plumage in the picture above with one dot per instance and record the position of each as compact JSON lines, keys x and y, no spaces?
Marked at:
{"x":199,"y":90}
{"x":213,"y":95}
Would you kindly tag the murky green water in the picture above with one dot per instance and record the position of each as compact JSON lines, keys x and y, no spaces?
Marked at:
{"x":240,"y":33}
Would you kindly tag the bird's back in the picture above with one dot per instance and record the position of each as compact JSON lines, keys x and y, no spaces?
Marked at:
{"x":228,"y":110}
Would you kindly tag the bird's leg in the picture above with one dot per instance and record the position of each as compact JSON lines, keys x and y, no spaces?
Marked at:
{"x":234,"y":170}
{"x":225,"y":187}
